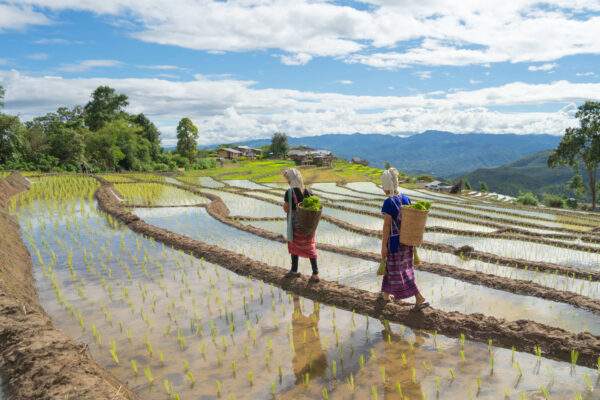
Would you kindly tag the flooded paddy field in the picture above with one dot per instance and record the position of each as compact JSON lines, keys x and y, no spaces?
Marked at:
{"x":173,"y":326}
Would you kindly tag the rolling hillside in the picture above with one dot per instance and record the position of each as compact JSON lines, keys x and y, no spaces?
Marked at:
{"x":529,"y":174}
{"x":438,"y":153}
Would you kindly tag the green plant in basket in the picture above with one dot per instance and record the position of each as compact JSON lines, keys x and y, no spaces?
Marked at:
{"x":311,"y":203}
{"x":421,"y":205}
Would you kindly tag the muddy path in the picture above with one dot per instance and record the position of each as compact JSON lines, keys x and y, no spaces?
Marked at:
{"x":524,"y":335}
{"x":516,"y":286}
{"x":465,"y":252}
{"x":38,"y":361}
{"x":218,"y":210}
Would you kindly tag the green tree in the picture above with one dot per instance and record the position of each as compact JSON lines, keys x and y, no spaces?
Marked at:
{"x":150,"y":132}
{"x":60,"y":135}
{"x":119,"y":145}
{"x":576,"y":186}
{"x":483,"y":187}
{"x":387,"y":165}
{"x":106,"y":105}
{"x":581,"y":146}
{"x":187,"y":139}
{"x":11,"y":138}
{"x":279,"y":145}
{"x":467,"y":185}
{"x":1,"y":97}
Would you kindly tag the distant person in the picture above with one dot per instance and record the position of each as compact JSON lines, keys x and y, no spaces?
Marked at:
{"x":299,"y":245}
{"x":399,"y":277}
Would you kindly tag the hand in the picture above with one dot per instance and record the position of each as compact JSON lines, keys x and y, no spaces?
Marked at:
{"x":384,"y":253}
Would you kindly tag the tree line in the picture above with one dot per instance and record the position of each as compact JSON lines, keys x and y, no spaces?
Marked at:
{"x":99,"y":136}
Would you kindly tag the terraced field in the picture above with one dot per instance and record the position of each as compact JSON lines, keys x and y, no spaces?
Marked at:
{"x":176,"y":286}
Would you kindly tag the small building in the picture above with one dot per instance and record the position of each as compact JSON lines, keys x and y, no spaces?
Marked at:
{"x":439,"y":186}
{"x":249,"y":152}
{"x":360,"y":161}
{"x":305,"y":156}
{"x":229,"y":154}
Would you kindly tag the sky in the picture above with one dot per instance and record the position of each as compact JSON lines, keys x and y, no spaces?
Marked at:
{"x":244,"y":69}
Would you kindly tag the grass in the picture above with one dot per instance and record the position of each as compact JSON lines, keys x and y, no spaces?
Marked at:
{"x":269,"y":171}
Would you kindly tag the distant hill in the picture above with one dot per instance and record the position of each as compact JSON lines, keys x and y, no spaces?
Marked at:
{"x":442,"y":154}
{"x":529,"y":174}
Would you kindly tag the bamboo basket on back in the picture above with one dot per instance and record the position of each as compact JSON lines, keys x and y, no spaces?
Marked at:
{"x":306,"y":220}
{"x":413,"y":226}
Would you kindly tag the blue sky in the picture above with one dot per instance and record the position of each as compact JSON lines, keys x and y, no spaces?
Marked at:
{"x":244,"y":69}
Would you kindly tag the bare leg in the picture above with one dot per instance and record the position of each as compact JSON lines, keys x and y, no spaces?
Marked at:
{"x":419,"y":298}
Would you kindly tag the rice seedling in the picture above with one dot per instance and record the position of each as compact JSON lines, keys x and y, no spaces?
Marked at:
{"x":374,"y":393}
{"x":113,"y":351}
{"x":149,"y":375}
{"x":190,"y":377}
{"x":134,"y":367}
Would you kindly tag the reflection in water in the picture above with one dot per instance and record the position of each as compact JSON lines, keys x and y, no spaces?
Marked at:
{"x":400,"y":364}
{"x":309,"y":356}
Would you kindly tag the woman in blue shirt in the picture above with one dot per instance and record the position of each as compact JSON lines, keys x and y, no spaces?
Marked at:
{"x":399,"y":278}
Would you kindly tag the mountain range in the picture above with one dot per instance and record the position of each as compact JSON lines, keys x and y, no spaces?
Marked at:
{"x":438,"y":153}
{"x":529,"y":174}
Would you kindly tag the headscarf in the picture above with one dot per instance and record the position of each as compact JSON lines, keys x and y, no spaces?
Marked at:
{"x":389,"y":181}
{"x":294,"y":178}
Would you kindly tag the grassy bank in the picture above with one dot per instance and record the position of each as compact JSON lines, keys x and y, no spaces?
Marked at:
{"x":267,"y":171}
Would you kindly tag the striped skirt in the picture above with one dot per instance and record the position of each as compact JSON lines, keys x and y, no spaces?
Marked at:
{"x":303,"y":246}
{"x":399,"y":279}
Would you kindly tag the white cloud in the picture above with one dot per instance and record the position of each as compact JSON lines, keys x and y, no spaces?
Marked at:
{"x":432,"y":32}
{"x":345,"y":82}
{"x":87,"y":65}
{"x":52,"y":41}
{"x":161,"y":67}
{"x":295,"y":59}
{"x":423,"y":74}
{"x":543,"y":67}
{"x":589,"y":73}
{"x":231,"y":109}
{"x":38,"y":56}
{"x":15,"y":16}
{"x":474,"y":81}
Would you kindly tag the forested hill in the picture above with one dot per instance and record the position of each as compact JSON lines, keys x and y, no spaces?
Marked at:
{"x":529,"y":174}
{"x":442,"y":154}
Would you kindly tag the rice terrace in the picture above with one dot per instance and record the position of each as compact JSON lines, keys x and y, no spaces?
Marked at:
{"x":176,"y":286}
{"x":307,"y":199}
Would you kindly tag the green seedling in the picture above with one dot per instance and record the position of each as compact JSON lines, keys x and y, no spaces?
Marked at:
{"x":134,"y":367}
{"x":113,"y":351}
{"x":149,"y":376}
{"x":190,"y":377}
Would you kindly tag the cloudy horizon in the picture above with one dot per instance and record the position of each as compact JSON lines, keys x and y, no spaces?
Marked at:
{"x":245,"y":69}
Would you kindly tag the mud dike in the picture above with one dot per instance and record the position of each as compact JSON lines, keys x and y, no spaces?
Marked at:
{"x":38,"y":361}
{"x":524,"y":335}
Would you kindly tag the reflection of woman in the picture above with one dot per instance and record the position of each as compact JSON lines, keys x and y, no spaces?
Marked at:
{"x":308,"y":352}
{"x":399,"y":278}
{"x":299,"y":245}
{"x":395,"y":369}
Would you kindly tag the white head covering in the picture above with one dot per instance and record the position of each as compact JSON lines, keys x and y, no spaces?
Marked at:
{"x":389,"y":181}
{"x":294,"y":178}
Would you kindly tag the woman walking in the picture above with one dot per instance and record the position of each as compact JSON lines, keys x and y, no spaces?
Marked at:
{"x":299,"y":245}
{"x":399,"y":278}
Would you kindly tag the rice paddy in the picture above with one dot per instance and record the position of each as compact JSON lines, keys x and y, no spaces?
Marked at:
{"x":173,"y":326}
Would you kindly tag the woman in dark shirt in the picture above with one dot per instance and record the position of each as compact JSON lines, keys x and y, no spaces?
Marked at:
{"x":299,"y":245}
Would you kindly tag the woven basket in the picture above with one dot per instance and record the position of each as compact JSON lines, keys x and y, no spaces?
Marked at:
{"x":413,"y":226}
{"x":306,"y":221}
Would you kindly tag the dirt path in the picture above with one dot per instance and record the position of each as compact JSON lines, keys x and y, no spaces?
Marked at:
{"x":524,"y":335}
{"x":38,"y":361}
